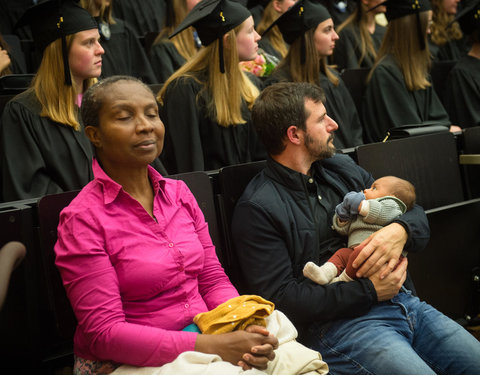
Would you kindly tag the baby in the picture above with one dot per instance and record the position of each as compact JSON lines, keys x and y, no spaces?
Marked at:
{"x":358,"y":216}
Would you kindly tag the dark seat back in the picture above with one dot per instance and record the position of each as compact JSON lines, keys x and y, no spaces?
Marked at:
{"x":49,"y":208}
{"x":4,"y":99}
{"x":442,"y":272}
{"x":356,"y":82}
{"x":15,"y":83}
{"x":21,"y":315}
{"x":200,"y":185}
{"x":232,"y":181}
{"x":471,"y":145}
{"x":439,"y":72}
{"x":429,"y":162}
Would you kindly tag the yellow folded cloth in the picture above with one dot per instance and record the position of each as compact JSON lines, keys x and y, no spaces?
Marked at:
{"x":235,"y":314}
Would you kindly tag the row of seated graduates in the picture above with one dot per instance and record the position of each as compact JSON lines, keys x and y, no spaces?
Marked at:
{"x":133,"y":20}
{"x":141,"y":11}
{"x":37,"y":323}
{"x":145,"y":17}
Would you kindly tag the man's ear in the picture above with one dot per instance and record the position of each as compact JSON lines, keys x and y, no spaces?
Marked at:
{"x":93,"y":135}
{"x":294,"y":135}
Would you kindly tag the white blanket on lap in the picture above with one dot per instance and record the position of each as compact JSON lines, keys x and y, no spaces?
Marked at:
{"x":291,"y":358}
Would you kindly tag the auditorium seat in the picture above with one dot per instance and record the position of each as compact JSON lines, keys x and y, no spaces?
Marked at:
{"x":470,"y":160}
{"x":442,"y":272}
{"x":232,"y":181}
{"x":429,"y":162}
{"x":49,"y":208}
{"x":15,"y":83}
{"x":21,"y":317}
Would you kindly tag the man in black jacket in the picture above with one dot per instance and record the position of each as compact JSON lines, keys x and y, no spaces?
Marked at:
{"x":372,"y":325}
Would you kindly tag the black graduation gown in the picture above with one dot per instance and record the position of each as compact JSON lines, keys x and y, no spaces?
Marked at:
{"x":388,"y":103}
{"x":265,"y":44}
{"x":462,"y":96}
{"x":339,"y":105}
{"x":165,"y":59}
{"x":142,"y":15}
{"x":39,"y":156}
{"x":125,"y":55}
{"x":452,"y":50}
{"x":10,"y":13}
{"x":194,"y":141}
{"x":347,"y":51}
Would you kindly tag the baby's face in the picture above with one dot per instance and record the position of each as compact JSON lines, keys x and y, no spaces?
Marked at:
{"x":380,"y":188}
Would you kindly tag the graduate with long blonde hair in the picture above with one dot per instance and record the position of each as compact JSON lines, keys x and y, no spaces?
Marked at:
{"x":43,"y":148}
{"x":399,"y":91}
{"x":206,"y":103}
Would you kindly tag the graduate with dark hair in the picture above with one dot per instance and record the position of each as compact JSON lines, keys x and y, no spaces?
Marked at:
{"x":462,"y":96}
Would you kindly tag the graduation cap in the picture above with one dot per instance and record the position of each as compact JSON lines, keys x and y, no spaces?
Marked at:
{"x":401,"y":8}
{"x":213,"y":19}
{"x":299,"y":18}
{"x":469,"y":17}
{"x":55,"y":19}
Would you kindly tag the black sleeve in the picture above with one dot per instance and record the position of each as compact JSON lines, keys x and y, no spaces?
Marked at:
{"x":344,"y":53}
{"x":415,"y":223}
{"x":24,"y":171}
{"x":462,"y":98}
{"x":387,"y":104}
{"x":181,"y":114}
{"x":165,"y":60}
{"x":140,"y":64}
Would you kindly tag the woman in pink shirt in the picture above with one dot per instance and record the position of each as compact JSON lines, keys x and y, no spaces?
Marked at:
{"x":134,"y":250}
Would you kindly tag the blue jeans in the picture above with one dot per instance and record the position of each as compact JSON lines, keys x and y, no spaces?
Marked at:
{"x":400,"y":336}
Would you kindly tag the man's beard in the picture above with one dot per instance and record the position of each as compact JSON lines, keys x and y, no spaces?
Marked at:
{"x":319,"y":151}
